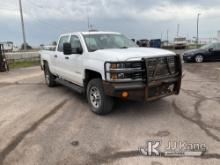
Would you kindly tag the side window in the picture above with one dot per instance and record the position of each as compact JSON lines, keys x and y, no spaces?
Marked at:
{"x":61,"y":42}
{"x":75,"y":43}
{"x":217,"y":46}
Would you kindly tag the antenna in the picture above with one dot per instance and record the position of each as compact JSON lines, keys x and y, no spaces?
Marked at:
{"x":178,"y":30}
{"x":88,"y":18}
{"x":88,"y":22}
{"x":167,"y":37}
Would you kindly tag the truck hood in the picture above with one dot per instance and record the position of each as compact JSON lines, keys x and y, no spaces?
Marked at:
{"x":129,"y":54}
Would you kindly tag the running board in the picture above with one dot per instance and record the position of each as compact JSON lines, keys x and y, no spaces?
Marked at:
{"x":72,"y":86}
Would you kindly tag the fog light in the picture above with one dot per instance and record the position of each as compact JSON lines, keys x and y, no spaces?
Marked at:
{"x":124,"y":94}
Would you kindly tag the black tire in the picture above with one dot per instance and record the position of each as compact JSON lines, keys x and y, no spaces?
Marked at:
{"x":49,"y":77}
{"x":105,"y":104}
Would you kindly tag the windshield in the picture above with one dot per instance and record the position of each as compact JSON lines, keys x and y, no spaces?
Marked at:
{"x":107,"y":41}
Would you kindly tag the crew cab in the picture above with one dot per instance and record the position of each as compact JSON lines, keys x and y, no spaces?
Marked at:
{"x":108,"y":65}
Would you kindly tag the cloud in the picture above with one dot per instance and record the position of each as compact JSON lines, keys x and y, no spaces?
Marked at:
{"x":78,"y":10}
{"x":46,"y":19}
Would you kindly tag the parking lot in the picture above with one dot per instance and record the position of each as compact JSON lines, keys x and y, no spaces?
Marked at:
{"x":41,"y":125}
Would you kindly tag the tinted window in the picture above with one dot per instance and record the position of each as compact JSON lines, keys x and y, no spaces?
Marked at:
{"x":217,"y":46}
{"x":61,"y":42}
{"x":75,"y":43}
{"x":208,"y":46}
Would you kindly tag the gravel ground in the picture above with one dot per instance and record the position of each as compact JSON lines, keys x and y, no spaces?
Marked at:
{"x":47,"y":126}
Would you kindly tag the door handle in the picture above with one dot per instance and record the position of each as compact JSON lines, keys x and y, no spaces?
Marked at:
{"x":67,"y":58}
{"x":55,"y":56}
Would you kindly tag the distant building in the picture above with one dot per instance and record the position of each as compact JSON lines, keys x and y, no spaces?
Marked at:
{"x":204,"y":41}
{"x":8,"y":46}
{"x":48,"y":47}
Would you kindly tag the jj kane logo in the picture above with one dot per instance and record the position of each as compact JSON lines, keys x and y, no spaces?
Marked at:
{"x":173,"y":149}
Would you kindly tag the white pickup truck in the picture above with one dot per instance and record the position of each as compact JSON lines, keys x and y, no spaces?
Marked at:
{"x":107,"y":65}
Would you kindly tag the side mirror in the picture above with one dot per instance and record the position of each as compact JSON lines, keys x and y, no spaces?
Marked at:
{"x":67,"y":48}
{"x":79,"y":50}
{"x":211,"y":49}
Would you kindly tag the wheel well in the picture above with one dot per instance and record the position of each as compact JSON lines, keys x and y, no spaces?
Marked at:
{"x":89,"y":75}
{"x":198,"y":54}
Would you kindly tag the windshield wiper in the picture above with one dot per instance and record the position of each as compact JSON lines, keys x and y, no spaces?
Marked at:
{"x":125,"y":47}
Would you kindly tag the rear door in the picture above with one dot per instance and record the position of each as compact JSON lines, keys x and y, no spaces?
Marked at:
{"x":216,"y":51}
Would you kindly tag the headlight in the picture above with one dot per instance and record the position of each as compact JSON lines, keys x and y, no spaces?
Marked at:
{"x":125,"y":71}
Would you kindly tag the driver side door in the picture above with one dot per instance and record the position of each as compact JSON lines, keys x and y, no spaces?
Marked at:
{"x":216,"y":52}
{"x":73,"y":66}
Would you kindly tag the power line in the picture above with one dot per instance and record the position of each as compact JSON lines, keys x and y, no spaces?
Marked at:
{"x":5,"y":4}
{"x":34,"y":4}
{"x":5,"y":8}
{"x":43,"y":22}
{"x":46,"y":23}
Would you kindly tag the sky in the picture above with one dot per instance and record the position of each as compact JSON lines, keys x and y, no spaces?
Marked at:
{"x":45,"y":20}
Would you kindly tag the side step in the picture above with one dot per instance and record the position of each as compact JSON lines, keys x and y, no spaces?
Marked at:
{"x":72,"y":86}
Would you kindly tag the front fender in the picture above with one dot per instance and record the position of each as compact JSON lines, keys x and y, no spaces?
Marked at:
{"x":95,"y":65}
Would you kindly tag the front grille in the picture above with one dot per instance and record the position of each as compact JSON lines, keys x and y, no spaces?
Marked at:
{"x":161,"y":67}
{"x":138,"y":71}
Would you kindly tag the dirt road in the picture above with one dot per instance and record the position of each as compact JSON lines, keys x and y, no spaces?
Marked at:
{"x":47,"y":126}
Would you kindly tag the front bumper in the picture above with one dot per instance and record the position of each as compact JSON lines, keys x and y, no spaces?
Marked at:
{"x":141,"y":91}
{"x":187,"y":58}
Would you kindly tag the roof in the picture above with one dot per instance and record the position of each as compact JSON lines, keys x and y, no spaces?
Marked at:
{"x":98,"y":32}
{"x":91,"y":32}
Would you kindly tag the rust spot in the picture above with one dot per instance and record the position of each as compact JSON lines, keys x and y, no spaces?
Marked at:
{"x":156,"y":163}
{"x":75,"y":143}
{"x":162,"y":133}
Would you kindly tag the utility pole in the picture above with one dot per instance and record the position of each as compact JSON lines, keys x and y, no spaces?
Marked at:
{"x":22,"y":25}
{"x":167,"y":37}
{"x":197,"y":38}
